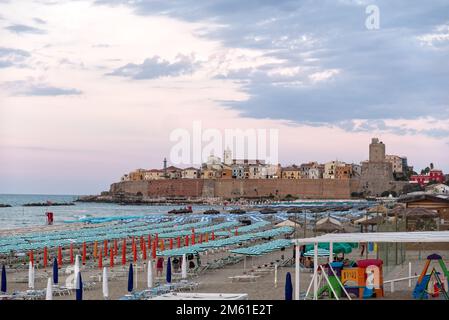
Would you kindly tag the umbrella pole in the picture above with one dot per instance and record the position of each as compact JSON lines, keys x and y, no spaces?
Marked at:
{"x":297,"y":279}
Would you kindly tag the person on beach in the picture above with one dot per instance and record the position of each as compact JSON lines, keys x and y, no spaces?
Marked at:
{"x":159,"y":266}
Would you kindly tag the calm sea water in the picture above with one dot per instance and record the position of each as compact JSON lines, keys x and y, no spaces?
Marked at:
{"x":18,"y":216}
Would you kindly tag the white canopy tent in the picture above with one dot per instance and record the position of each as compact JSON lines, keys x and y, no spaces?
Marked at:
{"x":377,"y":237}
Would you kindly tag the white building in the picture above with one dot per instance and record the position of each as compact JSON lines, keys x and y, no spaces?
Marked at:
{"x":190,"y":173}
{"x":329,"y":169}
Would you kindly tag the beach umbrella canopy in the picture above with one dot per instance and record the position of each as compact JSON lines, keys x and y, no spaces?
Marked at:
{"x":288,"y":287}
{"x":168,"y":275}
{"x":130,"y":278}
{"x":49,"y":291}
{"x":105,"y":283}
{"x":184,"y":267}
{"x":150,"y":275}
{"x":31,"y":276}
{"x":3,"y":289}
{"x":321,"y":253}
{"x":55,"y":271}
{"x":79,"y":287}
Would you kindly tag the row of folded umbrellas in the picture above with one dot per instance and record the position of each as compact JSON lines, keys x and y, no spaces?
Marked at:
{"x":264,"y":248}
{"x":221,"y":243}
{"x":164,"y":230}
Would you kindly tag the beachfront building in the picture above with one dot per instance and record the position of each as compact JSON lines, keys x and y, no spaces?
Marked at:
{"x":226,"y":172}
{"x":125,"y":177}
{"x":316,"y":173}
{"x":439,"y":188}
{"x":154,"y":174}
{"x":291,"y":172}
{"x":270,"y":171}
{"x":305,"y":168}
{"x":330,"y":168}
{"x":190,"y":173}
{"x":137,"y":175}
{"x":174,"y":172}
{"x":238,"y":171}
{"x":434,"y":175}
{"x":343,"y":172}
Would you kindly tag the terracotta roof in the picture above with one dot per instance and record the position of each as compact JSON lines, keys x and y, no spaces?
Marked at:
{"x":423,"y":196}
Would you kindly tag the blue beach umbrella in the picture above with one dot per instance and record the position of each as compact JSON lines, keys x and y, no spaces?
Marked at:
{"x":79,"y":287}
{"x":55,"y":271}
{"x":130,"y":278}
{"x":168,"y":275}
{"x":3,"y":279}
{"x":288,"y":287}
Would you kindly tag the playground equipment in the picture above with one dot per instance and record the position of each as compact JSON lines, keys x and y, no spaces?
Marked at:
{"x":363,"y":279}
{"x":432,"y":284}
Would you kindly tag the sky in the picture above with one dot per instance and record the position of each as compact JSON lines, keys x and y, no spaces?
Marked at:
{"x":90,"y":90}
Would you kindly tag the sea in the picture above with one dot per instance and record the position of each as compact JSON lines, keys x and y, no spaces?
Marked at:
{"x":18,"y":216}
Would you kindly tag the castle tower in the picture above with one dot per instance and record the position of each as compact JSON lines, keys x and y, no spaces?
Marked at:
{"x":376,"y":151}
{"x":227,"y":157}
{"x":165,"y":167}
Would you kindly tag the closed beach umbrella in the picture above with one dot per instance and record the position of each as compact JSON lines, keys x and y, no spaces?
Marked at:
{"x":130,"y":278}
{"x":288,"y":287}
{"x":171,"y":243}
{"x":31,"y":276}
{"x":84,"y":253}
{"x":156,"y":238}
{"x":184,"y":267}
{"x":59,"y":257}
{"x":95,"y":249}
{"x":105,"y":247}
{"x":77,"y":268}
{"x":213,"y":235}
{"x":168,"y":275}
{"x":179,"y":242}
{"x":144,"y":250}
{"x":3,"y":289}
{"x":79,"y":287}
{"x":124,"y":252}
{"x":134,"y":252}
{"x":150,"y":275}
{"x":105,"y":283}
{"x":111,"y":258}
{"x":193,"y":239}
{"x":49,"y":291}
{"x":187,"y":241}
{"x":71,"y":253}
{"x":55,"y":271}
{"x":100,"y":259}
{"x":149,"y":242}
{"x":31,"y":257}
{"x":115,"y":247}
{"x":45,"y":257}
{"x":153,"y":250}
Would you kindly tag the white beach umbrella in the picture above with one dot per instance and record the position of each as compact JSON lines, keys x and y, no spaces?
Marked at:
{"x":31,"y":276}
{"x":49,"y":293}
{"x":105,"y":283}
{"x":150,"y":275}
{"x":184,"y":267}
{"x":77,"y":266}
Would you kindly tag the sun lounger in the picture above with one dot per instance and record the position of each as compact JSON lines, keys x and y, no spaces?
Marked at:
{"x":244,"y":278}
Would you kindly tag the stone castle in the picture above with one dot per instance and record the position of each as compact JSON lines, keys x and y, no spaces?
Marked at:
{"x":376,"y":177}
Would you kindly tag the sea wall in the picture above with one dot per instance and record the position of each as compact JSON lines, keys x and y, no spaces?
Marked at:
{"x":232,"y":188}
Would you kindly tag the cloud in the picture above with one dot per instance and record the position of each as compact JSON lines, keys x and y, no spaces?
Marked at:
{"x":344,"y":71}
{"x":39,"y":21}
{"x":12,"y":57}
{"x":156,"y":67}
{"x":21,"y":28}
{"x":24,"y":88}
